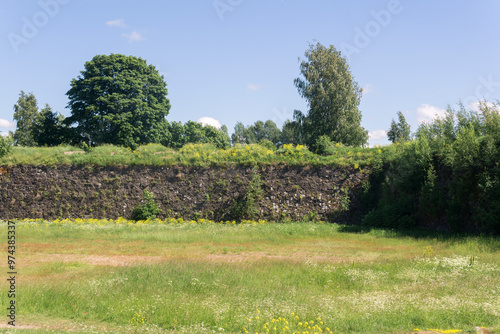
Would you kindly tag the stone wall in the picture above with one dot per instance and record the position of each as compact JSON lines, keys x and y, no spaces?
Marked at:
{"x":288,"y":192}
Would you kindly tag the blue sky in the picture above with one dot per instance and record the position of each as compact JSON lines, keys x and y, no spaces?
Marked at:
{"x":235,"y":60}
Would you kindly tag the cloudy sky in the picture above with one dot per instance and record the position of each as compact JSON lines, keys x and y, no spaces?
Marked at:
{"x":235,"y":60}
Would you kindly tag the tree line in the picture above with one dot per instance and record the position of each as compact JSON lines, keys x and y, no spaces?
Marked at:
{"x":122,"y":100}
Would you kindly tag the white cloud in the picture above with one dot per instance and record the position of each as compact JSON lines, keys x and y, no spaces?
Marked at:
{"x":6,"y":124}
{"x":252,"y":87}
{"x":367,"y":88}
{"x":120,"y":23}
{"x":427,"y":113}
{"x":377,"y":134}
{"x":475,"y":105}
{"x":209,"y":121}
{"x":134,"y":36}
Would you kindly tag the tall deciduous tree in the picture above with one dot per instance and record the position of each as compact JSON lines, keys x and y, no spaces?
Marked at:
{"x":119,"y":100}
{"x":25,"y":114}
{"x":333,"y":98}
{"x":399,"y":132}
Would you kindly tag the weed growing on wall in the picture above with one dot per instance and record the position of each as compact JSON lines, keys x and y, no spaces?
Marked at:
{"x":148,"y":209}
{"x":246,"y":207}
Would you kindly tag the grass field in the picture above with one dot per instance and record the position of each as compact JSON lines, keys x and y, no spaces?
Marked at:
{"x":108,"y":277}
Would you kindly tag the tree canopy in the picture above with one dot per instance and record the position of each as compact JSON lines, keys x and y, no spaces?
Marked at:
{"x":25,"y":114}
{"x":193,"y":132}
{"x":399,"y":132}
{"x":49,"y":128}
{"x":333,"y":98}
{"x":256,"y":133}
{"x":119,"y":100}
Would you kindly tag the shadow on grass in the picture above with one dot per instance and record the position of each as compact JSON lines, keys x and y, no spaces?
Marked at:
{"x":492,"y":241}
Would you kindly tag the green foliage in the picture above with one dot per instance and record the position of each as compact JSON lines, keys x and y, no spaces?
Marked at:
{"x":266,"y":131}
{"x":324,"y":145}
{"x":193,"y":133}
{"x":5,"y":145}
{"x":196,"y":133}
{"x":333,"y":98}
{"x":85,"y":147}
{"x":399,"y":132}
{"x":193,"y":155}
{"x":298,"y":151}
{"x":448,"y":177}
{"x":217,"y":137}
{"x":240,"y":135}
{"x":25,"y":114}
{"x":345,"y":200}
{"x":267,"y":144}
{"x":256,"y":133}
{"x":246,"y":206}
{"x":379,"y":281}
{"x":49,"y":129}
{"x":119,"y":100}
{"x":148,"y":209}
{"x":176,"y":130}
{"x":291,"y":133}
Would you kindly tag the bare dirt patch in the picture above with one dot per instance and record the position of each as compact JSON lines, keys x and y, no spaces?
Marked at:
{"x":4,"y":325}
{"x":133,"y":260}
{"x":99,"y":260}
{"x":297,"y":257}
{"x":73,"y":152}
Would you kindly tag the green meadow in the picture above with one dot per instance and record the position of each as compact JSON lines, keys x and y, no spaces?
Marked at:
{"x":104,"y":276}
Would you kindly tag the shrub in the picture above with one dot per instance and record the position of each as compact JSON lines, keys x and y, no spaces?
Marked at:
{"x":5,"y":145}
{"x":247,"y":206}
{"x":324,"y":145}
{"x":298,"y":151}
{"x":267,"y":144}
{"x":148,"y":209}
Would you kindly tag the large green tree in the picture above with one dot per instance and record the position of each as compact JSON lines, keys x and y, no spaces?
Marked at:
{"x":119,"y":100}
{"x":333,"y":98}
{"x":25,"y":114}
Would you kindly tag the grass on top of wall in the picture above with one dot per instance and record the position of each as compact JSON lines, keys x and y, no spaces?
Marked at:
{"x":191,"y":155}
